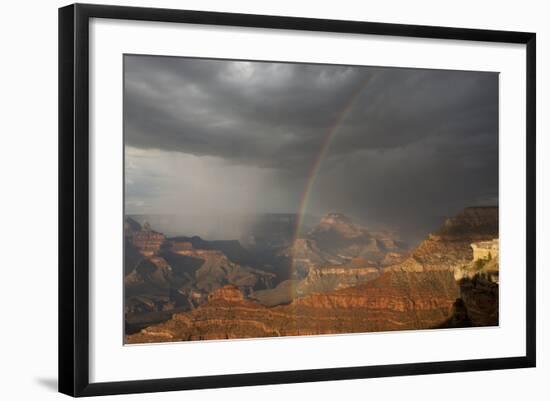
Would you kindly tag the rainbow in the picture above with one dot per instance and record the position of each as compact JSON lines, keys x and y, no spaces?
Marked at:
{"x":314,"y":171}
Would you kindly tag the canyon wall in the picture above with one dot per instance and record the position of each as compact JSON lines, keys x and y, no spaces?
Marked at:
{"x":438,"y":285}
{"x":394,"y":301}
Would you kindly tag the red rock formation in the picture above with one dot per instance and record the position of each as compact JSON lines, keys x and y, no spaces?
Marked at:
{"x":227,"y":293}
{"x":420,"y":293}
{"x":450,"y":247}
{"x":329,"y":278}
{"x":394,"y":301}
{"x":147,"y":241}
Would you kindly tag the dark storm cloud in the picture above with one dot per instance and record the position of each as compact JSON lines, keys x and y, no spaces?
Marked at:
{"x":263,"y":113}
{"x":415,"y":142}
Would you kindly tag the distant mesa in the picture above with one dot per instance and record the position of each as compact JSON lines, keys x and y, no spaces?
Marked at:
{"x":181,"y":247}
{"x":479,"y":222}
{"x":338,"y":234}
{"x":146,"y":240}
{"x":338,"y":223}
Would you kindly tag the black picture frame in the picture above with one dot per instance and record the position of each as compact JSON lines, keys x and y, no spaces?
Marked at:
{"x":74,"y":198}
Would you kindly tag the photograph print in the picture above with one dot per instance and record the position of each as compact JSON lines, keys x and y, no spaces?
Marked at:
{"x":273,"y":199}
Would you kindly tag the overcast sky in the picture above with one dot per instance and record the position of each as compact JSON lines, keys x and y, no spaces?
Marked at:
{"x":218,"y":136}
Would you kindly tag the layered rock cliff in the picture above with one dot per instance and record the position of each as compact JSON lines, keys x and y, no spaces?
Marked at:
{"x":337,"y":234}
{"x":450,"y":246}
{"x":439,"y":285}
{"x":318,"y":280}
{"x":330,"y":278}
{"x":394,"y":301}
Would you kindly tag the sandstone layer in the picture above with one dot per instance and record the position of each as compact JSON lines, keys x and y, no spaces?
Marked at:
{"x":394,"y":301}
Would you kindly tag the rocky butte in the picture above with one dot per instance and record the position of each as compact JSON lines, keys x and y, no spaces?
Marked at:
{"x":439,"y":285}
{"x":451,"y":245}
{"x":337,"y":234}
{"x":145,"y":240}
{"x":335,"y":254}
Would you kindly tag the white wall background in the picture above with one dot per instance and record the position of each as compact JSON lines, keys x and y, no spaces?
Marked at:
{"x":28,"y":168}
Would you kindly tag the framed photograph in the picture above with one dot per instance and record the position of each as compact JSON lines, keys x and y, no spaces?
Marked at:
{"x":251,"y":199}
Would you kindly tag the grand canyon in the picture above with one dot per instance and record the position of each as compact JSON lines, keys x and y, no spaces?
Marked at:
{"x":274,"y":198}
{"x":338,"y":277}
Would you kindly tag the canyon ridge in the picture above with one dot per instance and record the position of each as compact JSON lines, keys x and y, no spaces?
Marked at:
{"x":338,"y":277}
